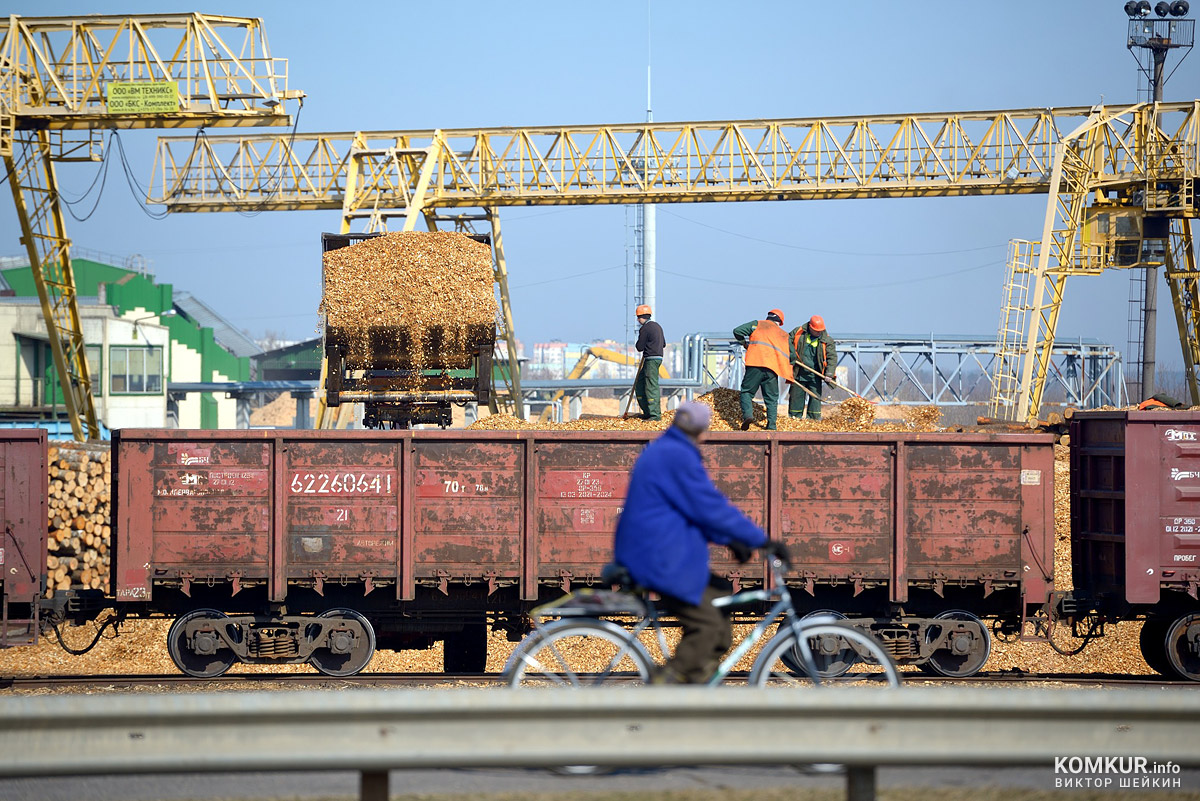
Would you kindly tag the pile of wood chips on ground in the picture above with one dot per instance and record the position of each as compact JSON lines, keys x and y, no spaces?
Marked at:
{"x":77,"y":508}
{"x":281,"y":412}
{"x":410,"y":300}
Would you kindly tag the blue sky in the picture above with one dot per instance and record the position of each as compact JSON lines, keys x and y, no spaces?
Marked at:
{"x":472,"y":63}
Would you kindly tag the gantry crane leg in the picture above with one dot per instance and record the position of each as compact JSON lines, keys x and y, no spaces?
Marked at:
{"x":35,"y":193}
{"x":506,"y":316}
{"x":1048,"y":295}
{"x":1183,"y":280}
{"x":1077,"y":158}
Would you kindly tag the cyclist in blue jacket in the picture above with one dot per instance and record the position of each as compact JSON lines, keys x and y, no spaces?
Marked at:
{"x":672,"y":511}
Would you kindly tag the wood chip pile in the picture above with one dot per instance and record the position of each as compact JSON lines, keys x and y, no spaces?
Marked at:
{"x":850,"y":415}
{"x":281,"y":412}
{"x":410,"y":300}
{"x":77,"y":508}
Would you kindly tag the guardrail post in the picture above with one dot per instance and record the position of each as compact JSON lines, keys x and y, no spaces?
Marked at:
{"x":860,"y":783}
{"x":373,"y":785}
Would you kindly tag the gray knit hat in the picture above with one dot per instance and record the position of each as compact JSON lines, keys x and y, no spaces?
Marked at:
{"x":693,"y":417}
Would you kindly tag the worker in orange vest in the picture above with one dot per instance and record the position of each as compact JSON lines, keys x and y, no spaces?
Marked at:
{"x":766,"y":362}
{"x":1160,"y":402}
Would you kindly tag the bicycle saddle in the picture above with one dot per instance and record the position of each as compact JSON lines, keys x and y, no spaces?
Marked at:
{"x":614,"y":574}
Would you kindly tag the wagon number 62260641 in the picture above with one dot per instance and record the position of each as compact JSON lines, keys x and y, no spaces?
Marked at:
{"x":341,"y":484}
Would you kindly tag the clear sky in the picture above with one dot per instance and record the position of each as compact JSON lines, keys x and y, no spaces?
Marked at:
{"x":864,"y":265}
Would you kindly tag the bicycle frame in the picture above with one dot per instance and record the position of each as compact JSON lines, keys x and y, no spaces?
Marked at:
{"x":781,"y":609}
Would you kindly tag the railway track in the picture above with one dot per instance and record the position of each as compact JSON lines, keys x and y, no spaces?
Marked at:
{"x":319,"y":681}
{"x":248,"y":680}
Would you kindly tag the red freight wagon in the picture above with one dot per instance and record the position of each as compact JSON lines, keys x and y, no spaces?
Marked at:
{"x":23,"y":541}
{"x":319,"y":545}
{"x":1135,"y":529}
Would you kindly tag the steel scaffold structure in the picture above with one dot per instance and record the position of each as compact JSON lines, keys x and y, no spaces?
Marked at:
{"x":56,"y":74}
{"x":1070,"y":153}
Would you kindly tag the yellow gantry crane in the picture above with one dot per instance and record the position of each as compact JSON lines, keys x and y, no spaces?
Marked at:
{"x":1092,"y":161}
{"x":65,"y":80}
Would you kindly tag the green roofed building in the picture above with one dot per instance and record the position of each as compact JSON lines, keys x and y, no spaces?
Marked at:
{"x":140,"y":336}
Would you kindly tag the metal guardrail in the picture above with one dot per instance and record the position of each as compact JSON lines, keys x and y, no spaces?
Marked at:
{"x":373,"y":732}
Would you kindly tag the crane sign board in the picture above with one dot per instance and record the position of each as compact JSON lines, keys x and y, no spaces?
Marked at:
{"x":142,"y":97}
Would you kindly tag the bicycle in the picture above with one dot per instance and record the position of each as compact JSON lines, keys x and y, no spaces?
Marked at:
{"x":584,"y":646}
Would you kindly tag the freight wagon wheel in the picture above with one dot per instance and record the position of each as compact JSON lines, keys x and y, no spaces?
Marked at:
{"x":964,"y":657}
{"x":772,"y":669}
{"x":1153,"y":643}
{"x":1183,"y":647}
{"x":832,"y":655}
{"x":205,"y":656}
{"x":578,"y":653}
{"x":349,"y":648}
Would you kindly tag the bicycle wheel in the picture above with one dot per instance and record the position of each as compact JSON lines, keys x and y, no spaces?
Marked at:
{"x":875,"y":666}
{"x":578,"y":653}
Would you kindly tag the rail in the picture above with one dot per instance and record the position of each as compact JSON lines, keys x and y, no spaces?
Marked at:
{"x":373,"y":732}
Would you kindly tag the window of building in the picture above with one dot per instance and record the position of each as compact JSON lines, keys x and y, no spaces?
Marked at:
{"x":136,"y":370}
{"x":93,"y":353}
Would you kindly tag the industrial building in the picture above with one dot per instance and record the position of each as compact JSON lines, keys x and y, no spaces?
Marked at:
{"x":141,"y":336}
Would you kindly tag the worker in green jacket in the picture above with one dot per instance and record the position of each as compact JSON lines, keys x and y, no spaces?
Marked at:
{"x":813,"y":355}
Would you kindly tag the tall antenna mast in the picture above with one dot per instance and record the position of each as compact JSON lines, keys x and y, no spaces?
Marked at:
{"x":648,"y":290}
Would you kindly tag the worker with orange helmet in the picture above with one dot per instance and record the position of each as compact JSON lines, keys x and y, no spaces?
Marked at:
{"x":650,"y":344}
{"x":766,"y":362}
{"x":813,"y":355}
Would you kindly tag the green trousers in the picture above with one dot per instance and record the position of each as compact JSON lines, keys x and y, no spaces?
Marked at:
{"x":800,"y":402}
{"x":645,"y":387}
{"x":707,"y":635}
{"x":760,"y":378}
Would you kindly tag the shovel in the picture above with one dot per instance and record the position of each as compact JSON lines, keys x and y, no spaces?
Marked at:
{"x":633,"y":389}
{"x":836,"y":384}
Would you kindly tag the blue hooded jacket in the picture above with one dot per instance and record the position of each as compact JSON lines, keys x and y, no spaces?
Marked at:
{"x":672,"y":511}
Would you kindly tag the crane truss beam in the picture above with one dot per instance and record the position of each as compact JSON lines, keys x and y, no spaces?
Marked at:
{"x":57,"y":72}
{"x":927,"y":155}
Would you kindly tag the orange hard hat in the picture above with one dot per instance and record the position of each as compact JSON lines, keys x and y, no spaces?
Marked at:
{"x":777,"y":313}
{"x":642,"y":310}
{"x":817,"y":323}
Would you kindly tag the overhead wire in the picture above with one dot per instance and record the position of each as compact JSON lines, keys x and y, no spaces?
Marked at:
{"x":805,"y":248}
{"x":568,"y":277}
{"x":102,"y":177}
{"x":841,"y":288}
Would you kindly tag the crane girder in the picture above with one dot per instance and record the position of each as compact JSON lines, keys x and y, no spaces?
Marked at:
{"x":58,"y":74}
{"x":57,"y":71}
{"x":923,"y":155}
{"x":1075,"y":154}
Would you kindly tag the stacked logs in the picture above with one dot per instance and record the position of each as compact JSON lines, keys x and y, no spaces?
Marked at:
{"x":77,"y":510}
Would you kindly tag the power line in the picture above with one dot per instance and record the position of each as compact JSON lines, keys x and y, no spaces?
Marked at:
{"x":841,"y":288}
{"x":828,"y":252}
{"x":577,"y":275}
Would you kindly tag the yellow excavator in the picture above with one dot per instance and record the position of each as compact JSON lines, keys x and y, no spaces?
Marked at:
{"x":589,"y":357}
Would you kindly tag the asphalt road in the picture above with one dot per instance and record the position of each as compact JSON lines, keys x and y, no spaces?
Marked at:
{"x":480,"y":783}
